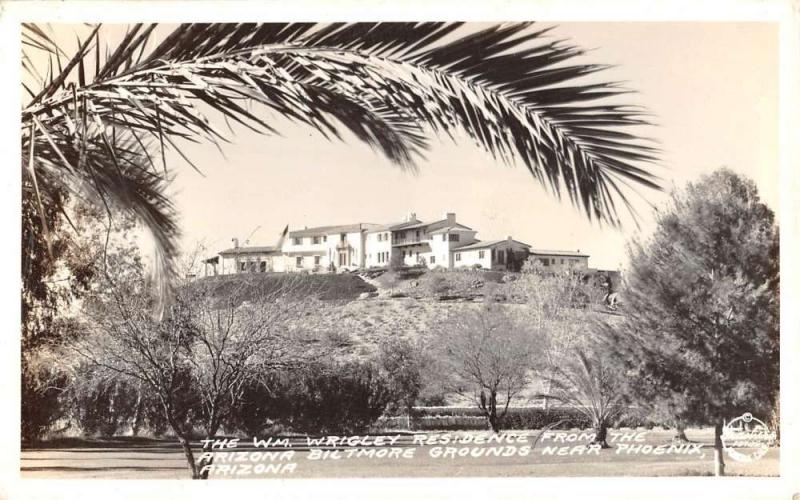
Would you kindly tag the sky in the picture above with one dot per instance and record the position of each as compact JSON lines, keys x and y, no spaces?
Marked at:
{"x":712,"y":89}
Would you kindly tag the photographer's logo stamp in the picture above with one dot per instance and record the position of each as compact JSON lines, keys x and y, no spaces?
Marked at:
{"x":746,"y":438}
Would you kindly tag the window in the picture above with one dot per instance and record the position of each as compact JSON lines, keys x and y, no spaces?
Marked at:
{"x":297,"y":241}
{"x":481,"y":254}
{"x":298,"y":262}
{"x":324,"y":239}
{"x":545,"y":262}
{"x":404,"y":254}
{"x":342,"y":237}
{"x":454,"y":237}
{"x":242,"y":266}
{"x":433,"y":259}
{"x":458,"y":256}
{"x":315,"y":240}
{"x":417,"y":233}
{"x":262,"y":266}
{"x":501,"y":257}
{"x":562,"y":261}
{"x":316,"y":260}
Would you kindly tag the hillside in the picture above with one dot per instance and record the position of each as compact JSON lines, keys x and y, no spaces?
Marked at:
{"x":326,"y":287}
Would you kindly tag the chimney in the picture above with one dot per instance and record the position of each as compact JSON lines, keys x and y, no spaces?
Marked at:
{"x":510,"y":239}
{"x":451,"y":217}
{"x":235,"y":242}
{"x":412,"y":217}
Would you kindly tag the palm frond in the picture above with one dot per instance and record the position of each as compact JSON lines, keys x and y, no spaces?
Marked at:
{"x":512,"y":89}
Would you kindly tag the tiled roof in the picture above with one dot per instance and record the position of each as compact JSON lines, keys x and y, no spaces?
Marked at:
{"x":487,"y":244}
{"x":455,"y":226}
{"x":395,"y":226}
{"x":248,"y":250}
{"x":558,"y":252}
{"x":324,"y":230}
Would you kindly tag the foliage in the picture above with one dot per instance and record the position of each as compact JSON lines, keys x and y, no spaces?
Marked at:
{"x":319,"y":398}
{"x":99,"y":126}
{"x":42,"y":385}
{"x":102,"y":403}
{"x":590,"y":385}
{"x":263,"y":402}
{"x":703,"y":293}
{"x":199,"y":356}
{"x":555,"y":305}
{"x":701,"y":340}
{"x":401,"y":362}
{"x":53,"y":282}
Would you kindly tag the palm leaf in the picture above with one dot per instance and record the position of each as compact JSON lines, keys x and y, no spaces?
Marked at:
{"x":511,"y":88}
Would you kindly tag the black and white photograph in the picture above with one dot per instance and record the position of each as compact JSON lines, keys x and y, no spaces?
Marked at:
{"x":289,"y":248}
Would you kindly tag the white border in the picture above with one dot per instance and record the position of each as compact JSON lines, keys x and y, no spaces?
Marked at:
{"x":784,"y":12}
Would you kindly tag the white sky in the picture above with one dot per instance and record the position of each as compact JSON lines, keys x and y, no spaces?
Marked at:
{"x":712,"y":88}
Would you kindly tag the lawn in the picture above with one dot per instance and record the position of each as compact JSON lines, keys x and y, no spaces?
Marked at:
{"x":149,"y":459}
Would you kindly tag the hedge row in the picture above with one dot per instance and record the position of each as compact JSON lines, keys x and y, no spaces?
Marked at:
{"x":471,"y":418}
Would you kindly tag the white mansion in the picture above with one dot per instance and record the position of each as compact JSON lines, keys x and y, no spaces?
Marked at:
{"x":443,"y":243}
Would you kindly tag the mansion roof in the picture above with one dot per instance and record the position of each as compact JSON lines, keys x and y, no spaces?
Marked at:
{"x":324,"y":230}
{"x":250,"y":250}
{"x":488,"y":244}
{"x":565,"y":253}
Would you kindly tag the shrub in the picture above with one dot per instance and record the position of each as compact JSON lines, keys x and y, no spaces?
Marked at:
{"x":401,"y":363}
{"x":261,"y":403}
{"x":343,"y":398}
{"x":323,"y":398}
{"x":437,"y":284}
{"x":41,"y":389}
{"x":521,"y":418}
{"x":338,"y":338}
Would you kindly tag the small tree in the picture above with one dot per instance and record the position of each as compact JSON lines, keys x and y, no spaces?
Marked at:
{"x":396,"y":261}
{"x":589,"y":384}
{"x":487,"y":356}
{"x":701,"y":336}
{"x":401,"y":361}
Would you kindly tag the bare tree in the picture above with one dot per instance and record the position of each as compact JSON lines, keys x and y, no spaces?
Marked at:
{"x":488,"y":355}
{"x":217,"y":335}
{"x":554,"y":306}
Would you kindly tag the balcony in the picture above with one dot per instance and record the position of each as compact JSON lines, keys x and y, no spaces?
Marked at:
{"x":410,"y":241}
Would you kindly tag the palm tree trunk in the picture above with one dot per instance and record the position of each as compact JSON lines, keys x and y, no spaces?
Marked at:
{"x":600,"y":434}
